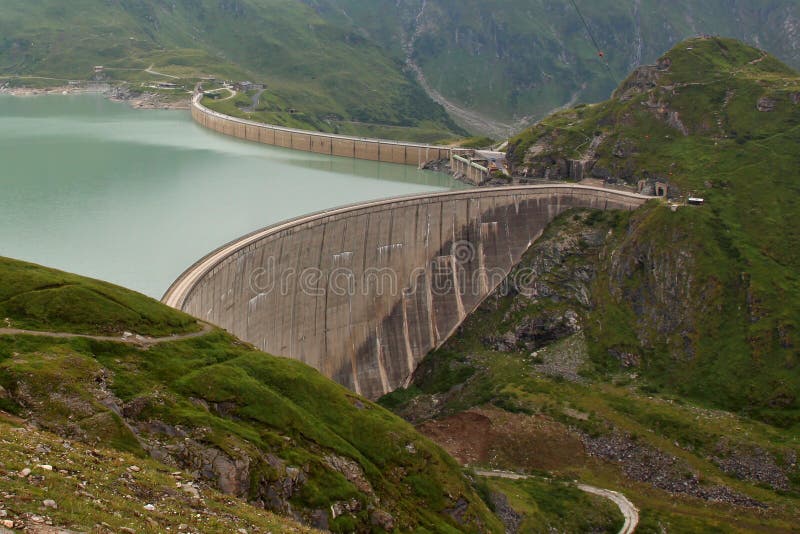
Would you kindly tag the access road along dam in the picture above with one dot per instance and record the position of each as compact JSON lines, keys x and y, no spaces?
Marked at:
{"x":362,"y":293}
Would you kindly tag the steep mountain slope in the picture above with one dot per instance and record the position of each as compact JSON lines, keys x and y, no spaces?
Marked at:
{"x":269,"y":430}
{"x":326,"y":70}
{"x":657,"y":349}
{"x":52,"y":483}
{"x":714,"y":288}
{"x":511,"y":59}
{"x":520,"y":388}
{"x":344,"y":64}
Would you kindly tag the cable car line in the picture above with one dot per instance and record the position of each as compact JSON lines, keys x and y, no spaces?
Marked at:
{"x":600,"y":52}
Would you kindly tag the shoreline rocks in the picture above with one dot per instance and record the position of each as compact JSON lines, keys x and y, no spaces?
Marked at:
{"x":114,"y":93}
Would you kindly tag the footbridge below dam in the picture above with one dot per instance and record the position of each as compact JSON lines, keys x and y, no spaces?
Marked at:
{"x":362,"y":293}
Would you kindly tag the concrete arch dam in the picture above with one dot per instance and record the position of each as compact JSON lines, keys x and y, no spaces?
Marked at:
{"x":318,"y":142}
{"x":362,"y":293}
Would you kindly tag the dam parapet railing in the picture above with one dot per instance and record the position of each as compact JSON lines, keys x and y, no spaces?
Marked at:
{"x":363,"y":292}
{"x":383,"y":150}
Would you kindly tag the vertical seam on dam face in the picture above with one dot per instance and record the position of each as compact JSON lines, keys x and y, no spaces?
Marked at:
{"x":409,"y":282}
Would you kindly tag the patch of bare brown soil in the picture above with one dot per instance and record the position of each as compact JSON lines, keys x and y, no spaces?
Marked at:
{"x":488,"y":436}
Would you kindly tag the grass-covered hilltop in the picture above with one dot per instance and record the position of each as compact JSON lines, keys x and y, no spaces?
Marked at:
{"x":708,"y":297}
{"x":655,"y":352}
{"x":145,"y":386}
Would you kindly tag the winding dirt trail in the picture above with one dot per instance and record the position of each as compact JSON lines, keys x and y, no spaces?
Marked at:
{"x":132,"y":339}
{"x":628,"y":509}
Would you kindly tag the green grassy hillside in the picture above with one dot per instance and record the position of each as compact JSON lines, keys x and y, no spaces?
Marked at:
{"x":84,"y":484}
{"x":522,"y":386}
{"x":654,"y":351}
{"x":510,"y":59}
{"x":37,"y":298}
{"x":327,"y":71}
{"x":708,"y":296}
{"x":269,"y":430}
{"x":341,"y":63}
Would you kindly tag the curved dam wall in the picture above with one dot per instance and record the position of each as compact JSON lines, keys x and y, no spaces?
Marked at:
{"x":320,"y":143}
{"x":363,"y":293}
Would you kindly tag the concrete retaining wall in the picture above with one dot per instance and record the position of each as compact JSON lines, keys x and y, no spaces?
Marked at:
{"x":463,"y":169}
{"x":320,"y":143}
{"x":363,"y":293}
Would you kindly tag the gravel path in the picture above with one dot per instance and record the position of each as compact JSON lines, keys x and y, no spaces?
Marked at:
{"x":625,"y":506}
{"x":149,"y":70}
{"x":256,"y":98}
{"x":133,"y":339}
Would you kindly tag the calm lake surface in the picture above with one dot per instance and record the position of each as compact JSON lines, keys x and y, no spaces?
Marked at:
{"x":135,"y":197}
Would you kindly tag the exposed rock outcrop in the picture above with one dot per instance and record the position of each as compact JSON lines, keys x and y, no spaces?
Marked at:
{"x":755,"y":464}
{"x":765,"y":104}
{"x":534,"y":332}
{"x":510,"y":517}
{"x":658,"y":285}
{"x":351,"y":471}
{"x":642,"y":80}
{"x":238,"y":469}
{"x":661,"y":470}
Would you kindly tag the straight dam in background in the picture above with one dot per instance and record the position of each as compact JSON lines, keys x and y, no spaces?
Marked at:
{"x":383,"y":150}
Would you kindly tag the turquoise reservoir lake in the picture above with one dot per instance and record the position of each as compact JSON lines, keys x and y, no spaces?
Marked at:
{"x":135,"y":197}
